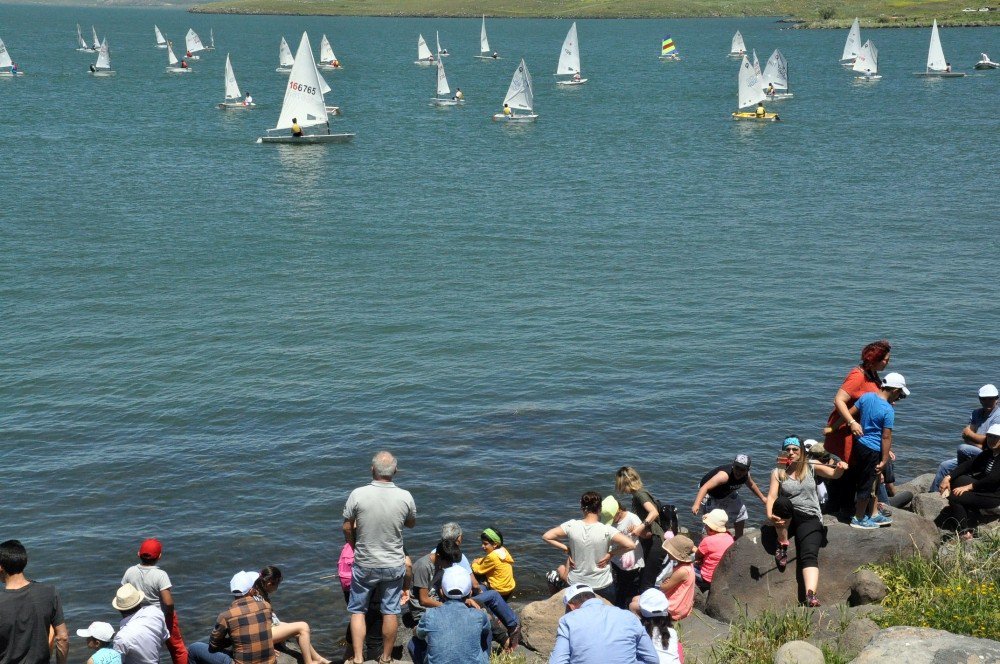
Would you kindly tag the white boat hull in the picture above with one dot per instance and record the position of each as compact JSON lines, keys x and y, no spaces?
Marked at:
{"x":580,"y":82}
{"x":333,"y":110}
{"x":157,"y":46}
{"x":778,"y":96}
{"x":487,"y":57}
{"x":10,"y":74}
{"x":500,"y":117}
{"x":192,"y":57}
{"x":987,"y":65}
{"x":447,"y":102}
{"x":103,"y":73}
{"x":179,"y":70}
{"x":874,"y":77}
{"x":235,"y":106}
{"x":86,"y":50}
{"x":308,"y":140}
{"x":940,"y":74}
{"x":423,"y":63}
{"x":328,"y":67}
{"x":736,"y":56}
{"x":670,"y":58}
{"x":284,"y":70}
{"x":847,"y":63}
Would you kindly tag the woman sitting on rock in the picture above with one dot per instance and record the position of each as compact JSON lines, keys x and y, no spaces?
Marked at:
{"x":793,"y":506}
{"x":975,"y":485}
{"x":267,"y":583}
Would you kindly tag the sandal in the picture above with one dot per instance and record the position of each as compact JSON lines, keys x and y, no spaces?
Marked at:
{"x":385,"y":661}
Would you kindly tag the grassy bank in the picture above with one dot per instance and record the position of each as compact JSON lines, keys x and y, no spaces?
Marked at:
{"x":814,"y":13}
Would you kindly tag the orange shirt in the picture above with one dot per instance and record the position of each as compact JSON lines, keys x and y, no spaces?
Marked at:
{"x":840,"y":441}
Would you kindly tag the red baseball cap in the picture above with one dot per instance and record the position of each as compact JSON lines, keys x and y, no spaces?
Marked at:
{"x":150,"y":548}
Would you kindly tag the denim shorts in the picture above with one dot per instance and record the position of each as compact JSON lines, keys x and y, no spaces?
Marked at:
{"x":385,"y":582}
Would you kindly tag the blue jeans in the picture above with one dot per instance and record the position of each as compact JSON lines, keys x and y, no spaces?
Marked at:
{"x":492,"y":602}
{"x":385,"y":582}
{"x":199,"y":654}
{"x":965,"y":452}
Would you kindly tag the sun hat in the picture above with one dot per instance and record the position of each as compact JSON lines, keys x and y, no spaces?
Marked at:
{"x":127,"y":597}
{"x":456,"y":582}
{"x":101,"y":631}
{"x":653,"y":603}
{"x":808,"y":444}
{"x":150,"y":548}
{"x":575,"y":590}
{"x":742,"y":461}
{"x":609,"y":507}
{"x":679,"y":547}
{"x":988,"y":391}
{"x":817,"y":451}
{"x":791,"y":441}
{"x":716,"y":520}
{"x":896,"y":380}
{"x":242,"y":582}
{"x":993,"y":430}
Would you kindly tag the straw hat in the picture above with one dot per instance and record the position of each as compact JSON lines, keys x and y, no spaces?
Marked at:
{"x":128,"y":597}
{"x":679,"y":548}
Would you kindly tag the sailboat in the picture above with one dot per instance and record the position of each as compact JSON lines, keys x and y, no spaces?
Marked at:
{"x":424,"y":55}
{"x":520,"y":97}
{"x":304,"y":105}
{"x":444,"y":96}
{"x":97,"y":42}
{"x":737,"y":49}
{"x":441,"y":52}
{"x":750,"y":94}
{"x":937,"y":66}
{"x":234,"y":98}
{"x":776,"y":74}
{"x":161,"y":41}
{"x":484,"y":45}
{"x":325,"y":88}
{"x":867,"y":63}
{"x":211,"y":40}
{"x":81,"y":43}
{"x":986,"y":63}
{"x":194,"y":45}
{"x":853,"y":45}
{"x":173,"y":65}
{"x":569,"y":59}
{"x":327,"y":60}
{"x":285,"y":59}
{"x":103,"y":65}
{"x":7,"y":67}
{"x":668,"y":50}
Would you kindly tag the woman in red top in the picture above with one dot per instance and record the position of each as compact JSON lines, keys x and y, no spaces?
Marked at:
{"x":841,"y":427}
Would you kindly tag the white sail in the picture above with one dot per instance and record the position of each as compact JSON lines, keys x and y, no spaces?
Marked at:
{"x":935,"y":54}
{"x":285,"y":58}
{"x":193,"y":42}
{"x":303,"y":95}
{"x":5,"y":60}
{"x":776,"y":71}
{"x":484,"y":43}
{"x":867,"y":60}
{"x":160,"y":41}
{"x":738,"y":46}
{"x":323,"y":85}
{"x":442,"y":84}
{"x":569,"y":57}
{"x":211,"y":38}
{"x":756,"y":66}
{"x":520,"y":96}
{"x":103,"y":56}
{"x":853,"y":45}
{"x":79,"y":38}
{"x":97,"y":42}
{"x":750,"y":89}
{"x":171,"y":58}
{"x":423,"y":53}
{"x":437,"y":39}
{"x":326,"y":51}
{"x":232,"y":89}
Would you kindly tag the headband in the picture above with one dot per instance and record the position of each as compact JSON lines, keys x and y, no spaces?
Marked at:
{"x":492,"y":536}
{"x":791,"y":441}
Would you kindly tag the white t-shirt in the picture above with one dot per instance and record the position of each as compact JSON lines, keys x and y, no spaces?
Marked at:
{"x":149,"y":579}
{"x":588,"y":543}
{"x":629,"y":560}
{"x":671,"y":655}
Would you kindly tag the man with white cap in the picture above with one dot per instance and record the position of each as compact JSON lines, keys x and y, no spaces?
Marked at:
{"x":454,"y":633}
{"x":142,"y":630}
{"x":975,"y":485}
{"x":593,"y":632}
{"x":974,"y":433}
{"x":873,"y":449}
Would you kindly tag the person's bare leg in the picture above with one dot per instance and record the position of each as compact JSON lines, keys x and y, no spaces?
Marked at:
{"x":782,"y":532}
{"x":318,"y":658}
{"x":810,"y":578}
{"x":358,"y":633}
{"x":300,"y":630}
{"x":738,"y":529}
{"x":390,"y":624}
{"x":563,"y":573}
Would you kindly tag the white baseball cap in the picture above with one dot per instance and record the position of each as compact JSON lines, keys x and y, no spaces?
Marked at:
{"x":456,"y":582}
{"x":101,"y":631}
{"x":896,"y":380}
{"x":993,"y":430}
{"x":575,"y":590}
{"x":988,"y":391}
{"x":242,"y":582}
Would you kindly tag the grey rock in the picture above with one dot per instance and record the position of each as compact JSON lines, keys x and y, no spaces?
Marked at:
{"x":917,"y":485}
{"x":867,"y":588}
{"x":747,"y":579}
{"x":865,"y":611}
{"x":698,"y":633}
{"x":539,"y":621}
{"x":798,"y":652}
{"x":914,"y":645}
{"x":929,"y":505}
{"x":700,"y":600}
{"x":857,"y":635}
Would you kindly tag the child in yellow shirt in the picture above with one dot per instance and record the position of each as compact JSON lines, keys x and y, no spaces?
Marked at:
{"x":496,"y":568}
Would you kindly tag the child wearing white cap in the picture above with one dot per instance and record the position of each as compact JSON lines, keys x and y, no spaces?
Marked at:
{"x":654,"y":614}
{"x":99,"y":636}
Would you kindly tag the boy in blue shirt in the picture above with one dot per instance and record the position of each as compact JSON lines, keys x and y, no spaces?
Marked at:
{"x":873,"y":449}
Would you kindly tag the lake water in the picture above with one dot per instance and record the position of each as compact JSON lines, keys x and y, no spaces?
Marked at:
{"x":205,"y":340}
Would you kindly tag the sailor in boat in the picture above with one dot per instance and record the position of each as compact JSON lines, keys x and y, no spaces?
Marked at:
{"x":93,"y":69}
{"x":770,"y":90}
{"x":13,"y":69}
{"x":947,"y":66}
{"x":506,"y":110}
{"x":296,"y":129}
{"x":495,"y":55}
{"x":336,"y":64}
{"x":247,"y":100}
{"x":188,"y":54}
{"x":184,"y":64}
{"x":576,"y":76}
{"x":760,"y":110}
{"x":444,"y":51}
{"x":458,"y":94}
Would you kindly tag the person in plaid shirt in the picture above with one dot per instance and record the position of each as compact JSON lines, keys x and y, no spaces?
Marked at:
{"x":244,"y":629}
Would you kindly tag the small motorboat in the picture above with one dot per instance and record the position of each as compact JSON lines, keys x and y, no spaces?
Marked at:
{"x":986,"y":63}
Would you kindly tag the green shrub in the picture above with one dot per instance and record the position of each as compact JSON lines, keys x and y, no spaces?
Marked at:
{"x":755,"y":640}
{"x":827,"y":13}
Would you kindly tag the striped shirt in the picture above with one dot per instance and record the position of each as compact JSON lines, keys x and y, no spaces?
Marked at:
{"x":246,"y":628}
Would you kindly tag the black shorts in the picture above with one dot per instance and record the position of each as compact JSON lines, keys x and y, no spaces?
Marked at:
{"x":863,"y":463}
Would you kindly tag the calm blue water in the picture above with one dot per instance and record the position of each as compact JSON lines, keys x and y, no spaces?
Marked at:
{"x":205,"y":339}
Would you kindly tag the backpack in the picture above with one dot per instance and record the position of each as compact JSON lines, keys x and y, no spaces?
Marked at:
{"x":668,"y":516}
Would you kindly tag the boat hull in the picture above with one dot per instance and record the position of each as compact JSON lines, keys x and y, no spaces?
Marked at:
{"x":514,"y":119}
{"x":753,"y":117}
{"x":86,"y":50}
{"x":329,"y":67}
{"x":487,"y":57}
{"x":284,"y":70}
{"x":580,"y":82}
{"x":847,"y":63}
{"x":874,"y":77}
{"x":10,"y":74}
{"x":333,"y":110}
{"x":987,"y":65}
{"x":192,"y":57}
{"x":103,"y":74}
{"x":778,"y":96}
{"x":234,"y":106}
{"x":179,"y":70}
{"x":319,"y":139}
{"x":736,"y":56}
{"x":940,"y":74}
{"x":446,"y":102}
{"x":423,"y":63}
{"x":157,"y":46}
{"x":670,"y":58}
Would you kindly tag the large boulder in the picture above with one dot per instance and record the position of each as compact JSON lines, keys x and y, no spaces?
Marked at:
{"x":867,"y":588}
{"x":928,"y":505}
{"x":919,"y":484}
{"x":858,"y":634}
{"x":698,"y":633}
{"x":539,"y":621}
{"x":913,"y":645}
{"x":799,"y":652}
{"x":747,"y":580}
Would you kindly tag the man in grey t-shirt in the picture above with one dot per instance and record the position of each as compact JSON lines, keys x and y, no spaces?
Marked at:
{"x":374,"y":518}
